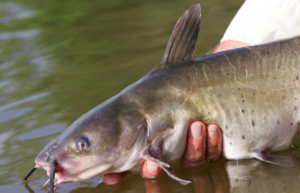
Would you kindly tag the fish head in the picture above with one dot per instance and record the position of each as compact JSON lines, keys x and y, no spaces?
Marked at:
{"x":109,"y":138}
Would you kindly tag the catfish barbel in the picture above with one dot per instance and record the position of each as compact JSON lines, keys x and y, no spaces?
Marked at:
{"x":252,"y":93}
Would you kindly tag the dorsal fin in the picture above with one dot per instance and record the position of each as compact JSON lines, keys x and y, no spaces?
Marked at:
{"x":182,"y":43}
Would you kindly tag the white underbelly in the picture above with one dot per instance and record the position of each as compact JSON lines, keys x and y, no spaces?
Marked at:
{"x":273,"y":130}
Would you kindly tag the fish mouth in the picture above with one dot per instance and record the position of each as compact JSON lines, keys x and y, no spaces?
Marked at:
{"x":60,"y":173}
{"x":55,"y":173}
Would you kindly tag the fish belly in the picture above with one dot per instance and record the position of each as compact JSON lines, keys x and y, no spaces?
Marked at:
{"x":254,"y":119}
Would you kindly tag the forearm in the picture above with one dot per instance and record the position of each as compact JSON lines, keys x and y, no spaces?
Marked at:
{"x":261,"y":21}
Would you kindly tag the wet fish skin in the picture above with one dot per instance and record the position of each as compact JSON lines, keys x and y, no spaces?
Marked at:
{"x":252,"y":93}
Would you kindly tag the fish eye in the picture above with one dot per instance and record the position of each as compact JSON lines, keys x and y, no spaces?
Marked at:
{"x":82,"y":143}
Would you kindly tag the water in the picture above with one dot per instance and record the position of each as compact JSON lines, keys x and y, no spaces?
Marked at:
{"x":59,"y":59}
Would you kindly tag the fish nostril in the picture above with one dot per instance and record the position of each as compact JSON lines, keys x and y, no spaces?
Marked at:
{"x":55,"y":145}
{"x":48,"y":158}
{"x":41,"y":159}
{"x":40,"y":162}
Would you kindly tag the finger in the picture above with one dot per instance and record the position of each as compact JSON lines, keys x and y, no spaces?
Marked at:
{"x":214,"y":142}
{"x":113,"y":178}
{"x":196,"y":145}
{"x":150,"y":169}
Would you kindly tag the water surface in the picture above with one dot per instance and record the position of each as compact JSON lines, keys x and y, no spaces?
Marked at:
{"x":59,"y":59}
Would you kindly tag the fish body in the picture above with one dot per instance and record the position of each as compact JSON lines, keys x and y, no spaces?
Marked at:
{"x":252,"y":93}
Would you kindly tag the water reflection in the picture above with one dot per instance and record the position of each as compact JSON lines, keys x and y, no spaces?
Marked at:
{"x":11,"y":11}
{"x":223,"y":176}
{"x":25,"y":34}
{"x":255,"y":176}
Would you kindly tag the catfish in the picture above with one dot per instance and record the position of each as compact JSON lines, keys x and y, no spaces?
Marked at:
{"x":252,"y":93}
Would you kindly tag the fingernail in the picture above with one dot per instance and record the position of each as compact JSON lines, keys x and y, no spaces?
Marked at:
{"x":197,"y":130}
{"x":152,"y":168}
{"x":212,"y":132}
{"x":109,"y":179}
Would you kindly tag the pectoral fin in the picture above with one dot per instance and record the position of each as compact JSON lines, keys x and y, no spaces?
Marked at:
{"x":172,"y":174}
{"x":156,"y":156}
{"x":148,"y":156}
{"x":274,"y":159}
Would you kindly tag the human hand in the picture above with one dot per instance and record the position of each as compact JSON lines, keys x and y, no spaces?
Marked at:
{"x":204,"y":144}
{"x":227,"y":45}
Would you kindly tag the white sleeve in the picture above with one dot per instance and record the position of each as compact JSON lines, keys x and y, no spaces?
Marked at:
{"x":260,"y":21}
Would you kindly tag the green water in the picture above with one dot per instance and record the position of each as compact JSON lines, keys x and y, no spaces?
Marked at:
{"x":59,"y":59}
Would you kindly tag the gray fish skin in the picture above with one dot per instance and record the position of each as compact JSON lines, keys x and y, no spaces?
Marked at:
{"x":252,"y":93}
